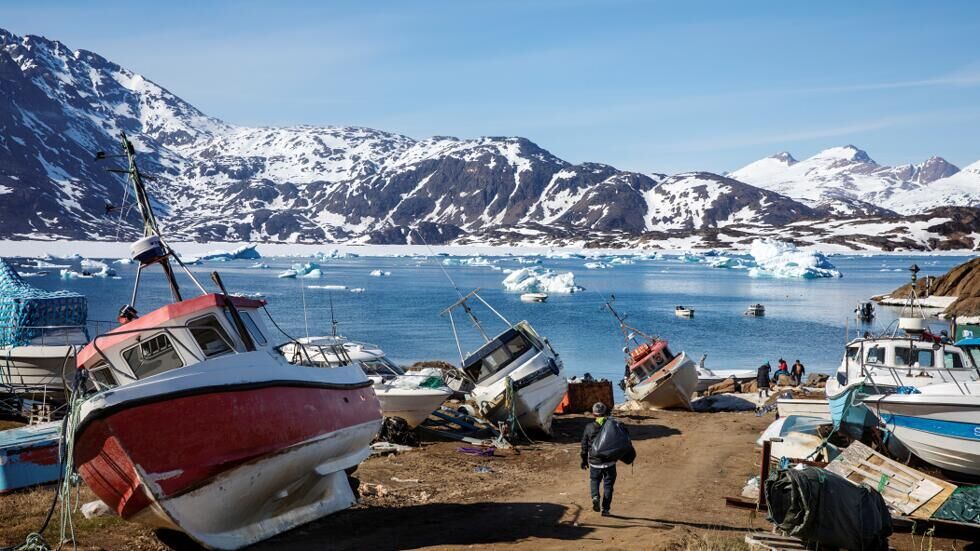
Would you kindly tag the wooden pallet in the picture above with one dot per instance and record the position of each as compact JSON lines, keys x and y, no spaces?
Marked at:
{"x":910,"y":492}
{"x":774,"y":542}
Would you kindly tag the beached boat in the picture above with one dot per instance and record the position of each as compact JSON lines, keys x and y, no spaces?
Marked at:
{"x":197,"y":423}
{"x":40,"y":332}
{"x":709,"y":377}
{"x":655,"y":377}
{"x":513,"y":375}
{"x":939,"y":423}
{"x":409,"y":396}
{"x":534,"y":297}
{"x":29,"y":456}
{"x":808,"y":407}
{"x":756,"y":310}
{"x":683,"y":312}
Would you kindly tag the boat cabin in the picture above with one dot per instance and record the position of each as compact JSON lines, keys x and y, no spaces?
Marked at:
{"x":335,"y":351}
{"x":899,"y":361}
{"x":514,"y":347}
{"x":646,"y":360}
{"x":171,"y":337}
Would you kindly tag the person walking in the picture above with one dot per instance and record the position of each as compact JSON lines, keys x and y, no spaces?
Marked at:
{"x":762,"y":378}
{"x":599,"y":471}
{"x":797,"y":372}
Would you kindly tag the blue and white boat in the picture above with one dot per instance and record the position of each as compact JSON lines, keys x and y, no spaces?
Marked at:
{"x":939,"y":423}
{"x":29,"y":456}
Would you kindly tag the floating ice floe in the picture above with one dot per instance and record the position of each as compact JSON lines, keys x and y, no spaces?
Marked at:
{"x":288,"y":274}
{"x":527,"y":260}
{"x":564,"y":256}
{"x":784,"y":260}
{"x":731,"y":263}
{"x":42,"y":264}
{"x":259,"y":266}
{"x":379,"y":273}
{"x":123,"y":261}
{"x":357,"y":290}
{"x":335,"y":253}
{"x":90,"y":269}
{"x":469,"y":261}
{"x":245,"y":252}
{"x":328,"y":287}
{"x":621,"y":260}
{"x":541,"y":280}
{"x":597,"y":266}
{"x":309,"y":269}
{"x":691,"y":257}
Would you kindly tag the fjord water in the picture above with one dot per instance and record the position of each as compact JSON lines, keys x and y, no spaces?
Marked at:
{"x":805,"y":319}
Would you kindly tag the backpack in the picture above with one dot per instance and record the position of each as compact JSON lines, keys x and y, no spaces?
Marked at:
{"x":613,"y":444}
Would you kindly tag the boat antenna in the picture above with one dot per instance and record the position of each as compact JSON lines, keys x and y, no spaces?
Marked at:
{"x":306,"y":321}
{"x":432,"y":254}
{"x":152,"y":248}
{"x":333,"y":319}
{"x":629,"y":332}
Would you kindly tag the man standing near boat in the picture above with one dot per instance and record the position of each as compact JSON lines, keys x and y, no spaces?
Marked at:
{"x":599,"y":471}
{"x":797,"y":373}
{"x":762,"y":379}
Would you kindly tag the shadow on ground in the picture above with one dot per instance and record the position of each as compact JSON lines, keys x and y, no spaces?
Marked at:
{"x":432,"y":524}
{"x":568,"y":429}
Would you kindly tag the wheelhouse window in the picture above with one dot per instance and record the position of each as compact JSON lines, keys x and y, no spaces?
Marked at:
{"x":902,"y":356}
{"x":381,"y":367}
{"x":210,"y":336}
{"x":924,"y":358}
{"x":154,"y":355}
{"x":876,"y":355}
{"x":102,"y":376}
{"x":512,"y":348}
{"x":952,"y":359}
{"x":854,"y":353}
{"x":974,"y":353}
{"x":250,"y":325}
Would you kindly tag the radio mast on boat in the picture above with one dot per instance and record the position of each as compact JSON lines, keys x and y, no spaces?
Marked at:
{"x":151,"y":249}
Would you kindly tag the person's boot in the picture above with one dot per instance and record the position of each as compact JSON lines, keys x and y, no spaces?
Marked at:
{"x":595,"y":504}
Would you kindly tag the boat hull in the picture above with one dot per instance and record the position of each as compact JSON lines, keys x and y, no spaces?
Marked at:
{"x":943,"y":430}
{"x":411,"y":405}
{"x":539,"y":385}
{"x":803,"y":407}
{"x":228,"y":464}
{"x":37,"y":368}
{"x":673,"y":389}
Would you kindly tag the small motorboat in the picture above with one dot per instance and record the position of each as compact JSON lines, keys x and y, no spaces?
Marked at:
{"x":865,"y":312}
{"x":808,"y":407}
{"x":939,"y":423}
{"x":710,"y":377}
{"x":40,"y":333}
{"x":534,"y":297}
{"x":683,"y":312}
{"x":407,"y":395}
{"x":756,"y":310}
{"x":513,"y":375}
{"x":193,"y":421}
{"x":655,"y":377}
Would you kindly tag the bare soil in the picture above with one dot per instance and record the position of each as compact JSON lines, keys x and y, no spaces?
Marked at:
{"x":534,"y":497}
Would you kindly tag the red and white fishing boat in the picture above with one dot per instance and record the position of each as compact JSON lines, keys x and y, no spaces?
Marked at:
{"x":197,"y":423}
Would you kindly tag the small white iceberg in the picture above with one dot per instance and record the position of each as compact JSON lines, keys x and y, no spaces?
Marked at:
{"x":541,"y":280}
{"x":328,"y":287}
{"x":597,"y":266}
{"x":468,"y":261}
{"x":357,"y":290}
{"x":123,"y":261}
{"x":288,"y":274}
{"x":622,"y":260}
{"x":259,"y":266}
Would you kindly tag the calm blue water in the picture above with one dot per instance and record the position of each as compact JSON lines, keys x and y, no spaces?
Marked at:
{"x":805,"y":319}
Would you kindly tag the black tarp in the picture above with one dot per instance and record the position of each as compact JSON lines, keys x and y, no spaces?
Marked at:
{"x":819,"y":506}
{"x":613,"y":443}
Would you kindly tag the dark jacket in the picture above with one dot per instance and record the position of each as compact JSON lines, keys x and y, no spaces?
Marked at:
{"x":762,"y":378}
{"x":798,"y":370}
{"x":591,"y":431}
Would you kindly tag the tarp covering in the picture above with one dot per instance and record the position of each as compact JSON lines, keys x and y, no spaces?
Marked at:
{"x":25,"y":309}
{"x":962,"y":506}
{"x":821,"y":507}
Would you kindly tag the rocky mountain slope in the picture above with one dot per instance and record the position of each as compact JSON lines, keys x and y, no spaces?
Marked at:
{"x":218,"y":181}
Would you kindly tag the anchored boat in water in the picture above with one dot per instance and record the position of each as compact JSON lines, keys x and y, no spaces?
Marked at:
{"x":655,"y":377}
{"x":196,"y":422}
{"x":515,"y":375}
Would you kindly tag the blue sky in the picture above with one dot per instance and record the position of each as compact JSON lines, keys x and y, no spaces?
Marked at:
{"x":648,"y":86}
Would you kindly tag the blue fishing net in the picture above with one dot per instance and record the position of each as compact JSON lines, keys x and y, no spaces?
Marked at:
{"x":25,"y":310}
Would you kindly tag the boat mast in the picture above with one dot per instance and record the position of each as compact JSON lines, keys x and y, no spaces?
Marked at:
{"x":629,"y":332}
{"x":151,"y":249}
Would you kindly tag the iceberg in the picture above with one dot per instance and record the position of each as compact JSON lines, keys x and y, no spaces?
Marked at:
{"x":245,"y":252}
{"x":622,"y":260}
{"x":287,"y":274}
{"x":328,"y":287}
{"x":310,"y":269}
{"x":334,"y":253}
{"x":597,"y":266}
{"x":528,"y":260}
{"x":541,"y":280}
{"x":259,"y":266}
{"x":90,"y":269}
{"x":469,"y":261}
{"x":123,"y":261}
{"x":731,"y":263}
{"x":314,"y":273}
{"x":784,"y":260}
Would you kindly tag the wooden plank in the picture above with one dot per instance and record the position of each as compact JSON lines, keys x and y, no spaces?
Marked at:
{"x":910,"y":492}
{"x":773,"y":542}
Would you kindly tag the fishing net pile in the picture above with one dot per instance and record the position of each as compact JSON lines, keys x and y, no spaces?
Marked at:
{"x":25,"y":309}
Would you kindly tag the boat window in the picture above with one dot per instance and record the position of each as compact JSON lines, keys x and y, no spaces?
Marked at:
{"x":952,"y":359}
{"x":974,"y":353}
{"x":210,"y":336}
{"x":381,"y":367}
{"x":924,"y":358}
{"x":102,"y":376}
{"x":152,"y":356}
{"x":853,"y":353}
{"x":253,"y":328}
{"x":513,"y":348}
{"x":876,"y":355}
{"x":902,"y":355}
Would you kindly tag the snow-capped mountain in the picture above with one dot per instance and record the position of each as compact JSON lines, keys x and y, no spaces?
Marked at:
{"x":218,"y":181}
{"x":847,"y":181}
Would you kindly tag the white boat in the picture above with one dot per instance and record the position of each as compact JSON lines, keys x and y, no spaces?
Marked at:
{"x":710,"y":377}
{"x":939,"y":423}
{"x":193,"y":421}
{"x":756,"y":310}
{"x":798,"y":437}
{"x":807,"y":407}
{"x":516,"y":369}
{"x":534,"y":297}
{"x":409,"y":396}
{"x":40,"y":333}
{"x":683,"y":312}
